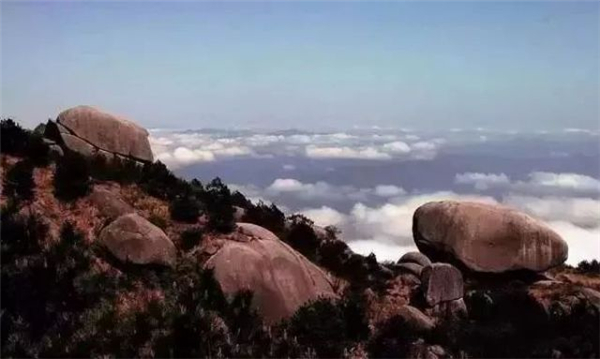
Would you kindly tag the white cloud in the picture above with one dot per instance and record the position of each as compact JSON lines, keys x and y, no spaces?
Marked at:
{"x":369,"y":153}
{"x":318,"y":190}
{"x":396,"y":147}
{"x":482,"y":181}
{"x":324,"y":216}
{"x":389,"y":191}
{"x":384,"y":251}
{"x":287,"y":185}
{"x":584,"y":244}
{"x":537,"y":183}
{"x":547,"y":182}
{"x":583,"y":212}
{"x":289,"y":167}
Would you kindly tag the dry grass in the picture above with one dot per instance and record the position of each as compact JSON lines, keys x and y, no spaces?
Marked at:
{"x":383,"y":307}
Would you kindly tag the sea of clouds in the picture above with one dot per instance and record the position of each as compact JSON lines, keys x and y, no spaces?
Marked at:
{"x":354,"y":179}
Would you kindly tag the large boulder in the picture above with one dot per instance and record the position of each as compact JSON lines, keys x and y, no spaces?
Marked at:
{"x":133,"y":239}
{"x":441,"y":282}
{"x":282,"y":280}
{"x":486,"y":238}
{"x":88,"y":131}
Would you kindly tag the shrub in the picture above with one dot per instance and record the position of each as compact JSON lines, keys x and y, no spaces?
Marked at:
{"x":14,"y":138}
{"x":71,"y":179}
{"x":218,"y":205}
{"x":392,"y":340}
{"x":185,"y":209}
{"x":37,"y":151}
{"x":592,"y":267}
{"x":268,"y":216}
{"x":302,"y":237}
{"x":321,"y":326}
{"x":20,"y":142}
{"x":19,"y":183}
{"x":158,"y":221}
{"x":190,"y":238}
{"x":158,"y":181}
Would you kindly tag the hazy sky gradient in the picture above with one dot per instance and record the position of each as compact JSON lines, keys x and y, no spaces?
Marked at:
{"x":432,"y":65}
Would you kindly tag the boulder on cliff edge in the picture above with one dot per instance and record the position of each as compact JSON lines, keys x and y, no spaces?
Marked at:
{"x":89,"y":131}
{"x":486,"y":238}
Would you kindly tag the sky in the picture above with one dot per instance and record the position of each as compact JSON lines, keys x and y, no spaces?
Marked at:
{"x":310,"y":65}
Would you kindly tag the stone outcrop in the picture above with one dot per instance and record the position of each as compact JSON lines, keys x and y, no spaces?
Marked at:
{"x":281,"y":279}
{"x":415,"y":257}
{"x":89,"y":131}
{"x":486,"y":238}
{"x":412,"y":268}
{"x":441,"y":282}
{"x":133,"y":239}
{"x":415,"y":319}
{"x":108,"y":203}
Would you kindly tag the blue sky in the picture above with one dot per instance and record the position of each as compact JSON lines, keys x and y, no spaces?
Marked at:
{"x":313,"y":65}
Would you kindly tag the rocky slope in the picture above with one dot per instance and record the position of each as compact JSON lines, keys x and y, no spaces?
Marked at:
{"x":114,"y":256}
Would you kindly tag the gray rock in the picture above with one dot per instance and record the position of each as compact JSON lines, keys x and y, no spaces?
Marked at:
{"x":451,"y":310}
{"x":441,"y":282}
{"x":412,"y":268}
{"x":415,"y":319}
{"x":76,"y":144}
{"x":281,"y":279}
{"x":108,"y":203}
{"x":415,"y":257}
{"x":486,"y":238}
{"x":86,"y":130}
{"x":592,"y":296}
{"x":131,"y":238}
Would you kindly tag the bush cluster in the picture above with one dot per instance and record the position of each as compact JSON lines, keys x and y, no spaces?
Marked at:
{"x":19,"y":142}
{"x":71,"y":177}
{"x":19,"y":184}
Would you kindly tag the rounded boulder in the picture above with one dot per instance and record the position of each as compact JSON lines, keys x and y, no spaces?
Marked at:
{"x":486,"y":238}
{"x":87,"y":130}
{"x":131,"y":238}
{"x":281,"y":279}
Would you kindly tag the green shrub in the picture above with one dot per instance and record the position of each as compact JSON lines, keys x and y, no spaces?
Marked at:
{"x":302,"y":237}
{"x":37,"y":151}
{"x":71,"y":178}
{"x":19,"y":183}
{"x":218,"y":206}
{"x":14,"y":138}
{"x":267,"y":216}
{"x":158,"y":221}
{"x":321,"y":326}
{"x":592,"y":267}
{"x":190,"y":238}
{"x":185,"y":209}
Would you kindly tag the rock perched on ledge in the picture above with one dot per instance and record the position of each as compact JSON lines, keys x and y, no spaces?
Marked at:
{"x":441,"y":282}
{"x":415,"y":257}
{"x":131,"y":238}
{"x":89,"y":131}
{"x":281,"y":278}
{"x":486,"y":238}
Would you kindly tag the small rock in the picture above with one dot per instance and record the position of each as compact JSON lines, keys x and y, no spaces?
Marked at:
{"x":451,"y":310}
{"x":131,"y":238}
{"x":108,"y":203}
{"x":441,"y":282}
{"x":415,"y":319}
{"x":412,"y":268}
{"x":415,"y":257}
